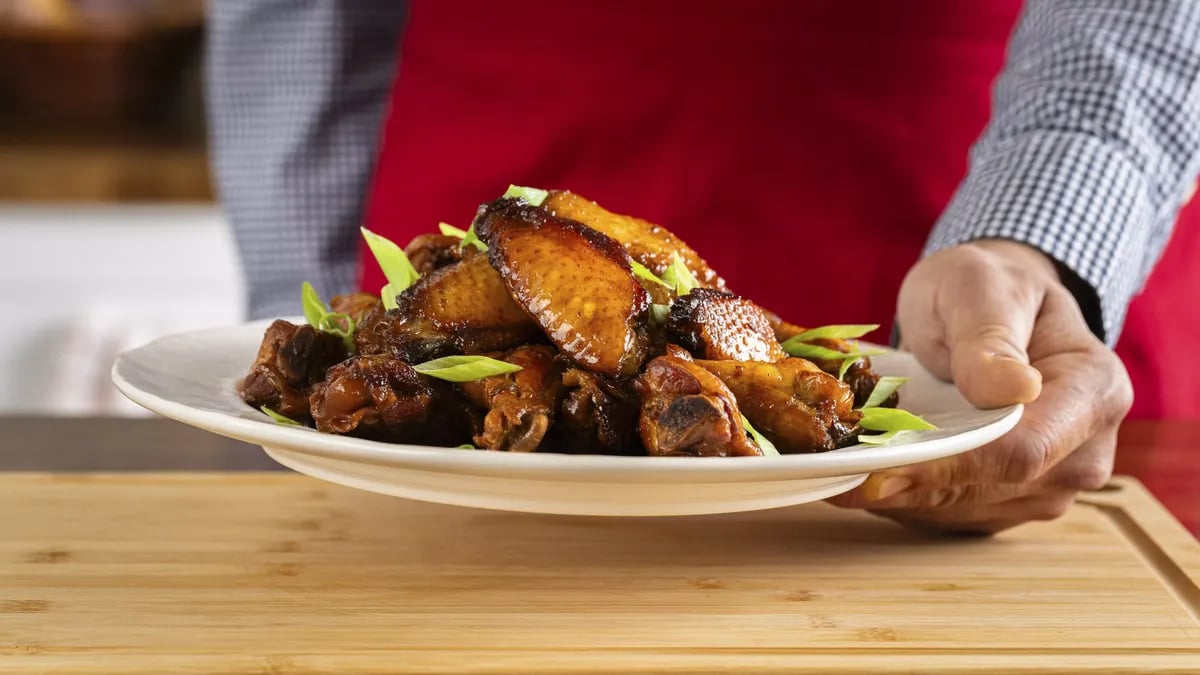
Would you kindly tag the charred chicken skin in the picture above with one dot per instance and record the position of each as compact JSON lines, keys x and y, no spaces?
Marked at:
{"x":429,"y":252}
{"x":382,"y":398}
{"x":720,"y":326}
{"x":598,"y":416}
{"x":291,"y":359}
{"x":686,"y":410}
{"x":463,"y":308}
{"x":576,"y":283}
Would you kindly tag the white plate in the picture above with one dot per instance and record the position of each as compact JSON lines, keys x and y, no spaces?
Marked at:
{"x":191,"y":378}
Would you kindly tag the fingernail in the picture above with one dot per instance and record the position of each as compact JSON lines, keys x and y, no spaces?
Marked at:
{"x":892,"y":486}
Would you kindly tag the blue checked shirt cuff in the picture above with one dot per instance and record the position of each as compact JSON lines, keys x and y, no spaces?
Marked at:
{"x":1070,"y":195}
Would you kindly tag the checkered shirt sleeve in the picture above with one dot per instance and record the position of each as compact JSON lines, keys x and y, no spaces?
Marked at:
{"x":297,"y":91}
{"x":1093,"y":146}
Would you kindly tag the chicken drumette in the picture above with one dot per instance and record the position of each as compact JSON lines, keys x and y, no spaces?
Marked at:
{"x":520,"y":406}
{"x":291,"y":359}
{"x":686,"y":410}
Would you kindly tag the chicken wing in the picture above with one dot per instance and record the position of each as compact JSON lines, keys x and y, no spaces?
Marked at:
{"x":598,"y":416}
{"x":429,"y":252}
{"x":521,"y":406}
{"x":861,"y":377}
{"x":358,"y":306}
{"x":382,"y":398}
{"x":687,"y":410}
{"x":783,"y":330}
{"x":649,"y":244}
{"x":463,"y":308}
{"x":575,"y":281}
{"x":795,"y":404}
{"x":290,"y":360}
{"x":721,"y":326}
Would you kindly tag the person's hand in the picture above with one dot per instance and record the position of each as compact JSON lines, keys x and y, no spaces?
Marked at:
{"x":994,"y":318}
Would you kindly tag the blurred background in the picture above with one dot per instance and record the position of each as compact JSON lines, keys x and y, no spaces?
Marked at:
{"x":104,"y":185}
{"x":111,"y":236}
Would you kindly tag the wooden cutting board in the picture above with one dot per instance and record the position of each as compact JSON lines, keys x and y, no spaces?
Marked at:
{"x":284,"y":574}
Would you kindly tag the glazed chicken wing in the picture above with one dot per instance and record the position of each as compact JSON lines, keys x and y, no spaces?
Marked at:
{"x":382,"y":398}
{"x":575,"y":281}
{"x":520,"y":406}
{"x":721,"y":326}
{"x":429,"y":252}
{"x":861,"y":377}
{"x":649,"y":244}
{"x":687,"y":410}
{"x":795,"y":404}
{"x":290,"y":360}
{"x":463,"y":308}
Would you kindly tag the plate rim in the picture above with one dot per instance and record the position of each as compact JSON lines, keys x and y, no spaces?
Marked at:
{"x":553,"y":466}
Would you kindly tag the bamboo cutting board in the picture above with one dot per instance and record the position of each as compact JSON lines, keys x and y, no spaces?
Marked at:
{"x":284,"y":574}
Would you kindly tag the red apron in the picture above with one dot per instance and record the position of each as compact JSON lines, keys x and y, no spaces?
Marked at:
{"x":804,"y":148}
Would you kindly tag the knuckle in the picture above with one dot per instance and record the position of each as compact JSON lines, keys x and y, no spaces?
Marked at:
{"x":929,"y":500}
{"x":971,"y":259}
{"x":971,"y":266}
{"x":949,"y":497}
{"x":1089,"y":476}
{"x":1108,"y":383}
{"x":1026,"y":461}
{"x":1121,"y":392}
{"x":945,"y":497}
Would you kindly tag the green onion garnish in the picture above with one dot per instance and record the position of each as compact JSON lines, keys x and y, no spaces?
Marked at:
{"x":280,"y":419}
{"x":892,"y":419}
{"x":532,"y":196}
{"x":465,"y":368}
{"x":679,"y":277}
{"x":396,"y":266}
{"x":763,"y":442}
{"x":884,"y":388}
{"x":318,"y":316}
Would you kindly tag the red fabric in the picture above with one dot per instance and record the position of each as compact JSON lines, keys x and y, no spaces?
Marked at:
{"x":804,"y":148}
{"x":1160,"y":346}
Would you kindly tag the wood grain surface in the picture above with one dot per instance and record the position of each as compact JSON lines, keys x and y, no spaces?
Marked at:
{"x":280,"y":573}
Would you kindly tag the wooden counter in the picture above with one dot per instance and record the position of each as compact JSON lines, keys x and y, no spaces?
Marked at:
{"x":281,"y":573}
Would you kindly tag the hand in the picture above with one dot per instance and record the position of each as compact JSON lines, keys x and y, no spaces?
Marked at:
{"x":993,"y":317}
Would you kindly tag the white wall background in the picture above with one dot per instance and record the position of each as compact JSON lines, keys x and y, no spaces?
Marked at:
{"x":81,"y":284}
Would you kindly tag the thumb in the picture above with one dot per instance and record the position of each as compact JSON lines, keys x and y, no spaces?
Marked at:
{"x":988,"y":361}
{"x":970,"y":310}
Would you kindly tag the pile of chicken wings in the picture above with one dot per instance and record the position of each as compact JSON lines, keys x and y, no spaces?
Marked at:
{"x":611,"y":361}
